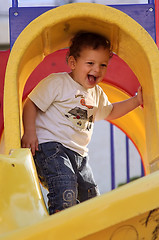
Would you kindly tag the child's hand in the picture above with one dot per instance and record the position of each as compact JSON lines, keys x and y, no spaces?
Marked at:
{"x":139,"y":96}
{"x":30,"y":141}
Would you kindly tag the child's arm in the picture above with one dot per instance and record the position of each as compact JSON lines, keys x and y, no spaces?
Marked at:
{"x":29,"y":139}
{"x":123,"y":107}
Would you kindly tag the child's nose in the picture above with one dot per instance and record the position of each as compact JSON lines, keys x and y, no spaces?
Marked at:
{"x":96,"y":68}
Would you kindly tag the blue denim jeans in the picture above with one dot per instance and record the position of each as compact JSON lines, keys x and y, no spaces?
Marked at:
{"x":66,"y":174}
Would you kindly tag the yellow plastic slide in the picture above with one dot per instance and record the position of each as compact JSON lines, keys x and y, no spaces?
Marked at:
{"x":127,"y":213}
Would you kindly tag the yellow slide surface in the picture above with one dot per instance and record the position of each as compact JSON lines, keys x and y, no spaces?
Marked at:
{"x":127,"y":213}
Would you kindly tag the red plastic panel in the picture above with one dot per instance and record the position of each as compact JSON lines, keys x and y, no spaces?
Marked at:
{"x":121,"y":76}
{"x":3,"y":63}
{"x":118,"y":74}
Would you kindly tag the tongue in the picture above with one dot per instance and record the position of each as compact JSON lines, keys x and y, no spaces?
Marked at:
{"x":91,"y":78}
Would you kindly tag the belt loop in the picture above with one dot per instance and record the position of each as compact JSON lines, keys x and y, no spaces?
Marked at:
{"x":39,"y":147}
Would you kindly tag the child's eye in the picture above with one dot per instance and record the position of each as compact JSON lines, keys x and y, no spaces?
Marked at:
{"x":103,"y":65}
{"x":90,"y":63}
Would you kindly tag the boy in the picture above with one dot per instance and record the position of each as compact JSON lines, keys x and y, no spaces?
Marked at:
{"x":58,"y":121}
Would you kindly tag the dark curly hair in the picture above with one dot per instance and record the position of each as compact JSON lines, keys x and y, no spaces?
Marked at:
{"x":86,"y":39}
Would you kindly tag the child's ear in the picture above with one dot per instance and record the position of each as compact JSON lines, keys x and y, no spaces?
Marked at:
{"x":71,"y":62}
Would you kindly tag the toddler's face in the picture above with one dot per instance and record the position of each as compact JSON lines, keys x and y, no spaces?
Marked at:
{"x":90,"y":68}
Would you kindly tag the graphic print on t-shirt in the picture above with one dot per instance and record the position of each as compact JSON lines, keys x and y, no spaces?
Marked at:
{"x":79,"y":116}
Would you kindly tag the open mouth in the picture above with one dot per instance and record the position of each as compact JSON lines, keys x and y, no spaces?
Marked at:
{"x":92,"y":79}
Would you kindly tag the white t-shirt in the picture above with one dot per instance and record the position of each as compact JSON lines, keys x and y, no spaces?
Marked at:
{"x":67,"y":111}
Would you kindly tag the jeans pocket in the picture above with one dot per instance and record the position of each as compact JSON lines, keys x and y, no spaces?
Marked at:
{"x":41,"y":168}
{"x":62,"y":192}
{"x":50,"y":149}
{"x":45,"y":161}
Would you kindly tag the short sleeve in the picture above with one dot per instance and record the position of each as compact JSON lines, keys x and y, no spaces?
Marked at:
{"x":104,"y":106}
{"x":45,"y":92}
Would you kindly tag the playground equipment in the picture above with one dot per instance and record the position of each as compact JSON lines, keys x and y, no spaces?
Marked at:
{"x":120,"y":214}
